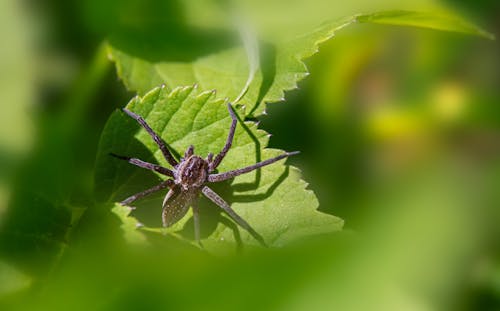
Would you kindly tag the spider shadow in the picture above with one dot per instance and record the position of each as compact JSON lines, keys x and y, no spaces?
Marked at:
{"x":261,"y":196}
{"x":258,"y":158}
{"x":210,"y":217}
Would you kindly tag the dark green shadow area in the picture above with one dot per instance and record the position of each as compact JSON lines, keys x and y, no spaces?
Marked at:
{"x":154,"y":30}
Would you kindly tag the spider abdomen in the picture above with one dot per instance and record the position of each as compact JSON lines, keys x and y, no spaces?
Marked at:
{"x":192,"y":172}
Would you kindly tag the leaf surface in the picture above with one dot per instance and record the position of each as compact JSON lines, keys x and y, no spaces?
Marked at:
{"x":274,"y":199}
{"x":227,"y":69}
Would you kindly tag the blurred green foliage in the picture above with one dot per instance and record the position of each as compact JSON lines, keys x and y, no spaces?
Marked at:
{"x":399,"y":133}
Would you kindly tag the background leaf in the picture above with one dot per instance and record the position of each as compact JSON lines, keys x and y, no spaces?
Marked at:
{"x":129,"y":224}
{"x":227,"y":69}
{"x":42,"y":209}
{"x":424,"y":20}
{"x":274,"y":200}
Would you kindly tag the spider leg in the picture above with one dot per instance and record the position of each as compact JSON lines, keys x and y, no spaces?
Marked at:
{"x":140,"y":195}
{"x":210,"y":157}
{"x":149,"y":166}
{"x":196,"y":219}
{"x":161,"y":144}
{"x":214,"y":197}
{"x":189,"y":152}
{"x":229,"y":140}
{"x":234,"y":173}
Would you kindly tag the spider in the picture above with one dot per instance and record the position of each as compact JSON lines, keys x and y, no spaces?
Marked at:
{"x":189,"y":177}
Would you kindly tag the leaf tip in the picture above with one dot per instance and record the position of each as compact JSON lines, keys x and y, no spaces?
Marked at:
{"x":205,"y":96}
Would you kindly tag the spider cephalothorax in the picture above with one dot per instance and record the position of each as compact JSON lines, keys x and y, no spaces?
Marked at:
{"x":189,"y":177}
{"x":192,"y":172}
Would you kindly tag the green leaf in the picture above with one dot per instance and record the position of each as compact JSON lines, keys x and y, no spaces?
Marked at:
{"x":227,"y":69}
{"x":274,"y":200}
{"x":129,"y":224}
{"x":41,"y":212}
{"x":18,"y":88}
{"x":425,"y":20}
{"x":12,"y":280}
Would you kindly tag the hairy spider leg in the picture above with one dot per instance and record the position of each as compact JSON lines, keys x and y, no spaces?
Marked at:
{"x":165,"y":184}
{"x":234,"y":173}
{"x":189,"y":152}
{"x":161,"y":144}
{"x":229,"y":140}
{"x":214,"y":197}
{"x":149,"y":166}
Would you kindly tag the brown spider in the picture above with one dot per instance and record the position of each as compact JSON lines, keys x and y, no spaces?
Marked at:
{"x":190,"y":176}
